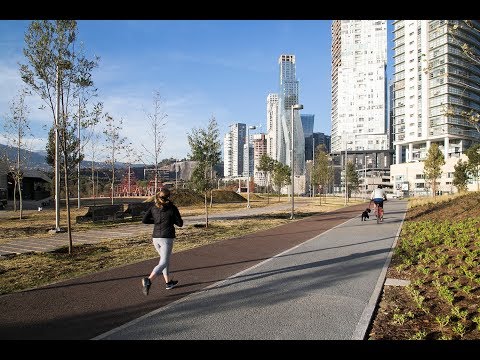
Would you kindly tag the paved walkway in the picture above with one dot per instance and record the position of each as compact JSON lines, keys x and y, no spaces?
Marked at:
{"x":316,"y":278}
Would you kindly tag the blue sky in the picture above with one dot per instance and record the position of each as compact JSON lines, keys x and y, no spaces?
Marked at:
{"x":202,"y":68}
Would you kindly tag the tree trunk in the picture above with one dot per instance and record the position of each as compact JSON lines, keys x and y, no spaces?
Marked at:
{"x":268,"y":190}
{"x":15,"y":195}
{"x":206,"y":210}
{"x":113,"y":183}
{"x":67,"y":197}
{"x":20,"y":201}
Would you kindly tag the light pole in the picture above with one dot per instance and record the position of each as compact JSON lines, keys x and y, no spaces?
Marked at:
{"x":313,"y":167}
{"x":251,"y":127}
{"x":292,"y":156}
{"x":176,"y":174}
{"x":346,"y":177}
{"x":365,"y":177}
{"x":346,"y":161}
{"x":57,"y":164}
{"x":79,"y":149}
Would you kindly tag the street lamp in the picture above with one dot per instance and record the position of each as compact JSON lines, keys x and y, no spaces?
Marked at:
{"x":251,"y":127}
{"x":292,"y":156}
{"x":346,"y":161}
{"x":313,"y":167}
{"x":57,"y":164}
{"x":176,"y":174}
{"x":346,"y":177}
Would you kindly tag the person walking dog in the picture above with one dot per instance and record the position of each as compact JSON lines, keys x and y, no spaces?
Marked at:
{"x":164,"y":215}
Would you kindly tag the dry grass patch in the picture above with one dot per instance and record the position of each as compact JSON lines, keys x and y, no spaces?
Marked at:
{"x":26,"y":271}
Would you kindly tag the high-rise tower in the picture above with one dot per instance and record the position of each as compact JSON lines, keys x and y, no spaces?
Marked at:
{"x":233,"y":144}
{"x":432,"y":76}
{"x":287,"y":98}
{"x":359,"y":85}
{"x":435,"y":85}
{"x":273,"y":124}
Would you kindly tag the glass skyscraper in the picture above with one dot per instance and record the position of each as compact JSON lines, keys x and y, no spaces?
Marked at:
{"x":288,"y":97}
{"x":307,"y":125}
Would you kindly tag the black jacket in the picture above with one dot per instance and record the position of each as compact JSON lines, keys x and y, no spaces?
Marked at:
{"x":164,"y":219}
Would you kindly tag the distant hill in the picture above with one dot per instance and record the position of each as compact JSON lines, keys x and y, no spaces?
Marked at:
{"x":37,"y":159}
{"x":34,"y":160}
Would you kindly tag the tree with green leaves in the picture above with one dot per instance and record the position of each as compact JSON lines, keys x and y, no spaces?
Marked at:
{"x":55,"y":71}
{"x":115,"y":146}
{"x":460,"y":175}
{"x":205,"y":149}
{"x":281,"y":176}
{"x":473,"y":154}
{"x":73,"y":157}
{"x":353,"y":180}
{"x":322,"y":170}
{"x":432,"y":169}
{"x":16,"y":129}
{"x":266,"y":165}
{"x":156,"y":121}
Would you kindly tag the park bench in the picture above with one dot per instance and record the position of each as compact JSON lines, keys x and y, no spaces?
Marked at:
{"x":102,"y":213}
{"x":136,"y":210}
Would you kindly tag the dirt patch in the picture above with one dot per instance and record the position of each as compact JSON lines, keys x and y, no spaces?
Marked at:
{"x":438,"y":252}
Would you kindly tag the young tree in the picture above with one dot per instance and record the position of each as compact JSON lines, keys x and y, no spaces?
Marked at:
{"x":16,"y":128}
{"x":156,"y":122}
{"x":433,"y":166}
{"x":115,"y":146}
{"x":473,"y":154}
{"x":94,"y":137}
{"x":266,"y":166}
{"x":322,"y":171}
{"x":206,"y":150}
{"x":353,"y":180}
{"x":85,"y":118}
{"x":281,"y":176}
{"x":73,"y":157}
{"x":460,"y":175}
{"x":54,"y":70}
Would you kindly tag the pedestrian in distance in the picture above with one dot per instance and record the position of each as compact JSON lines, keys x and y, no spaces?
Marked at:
{"x":164,"y":215}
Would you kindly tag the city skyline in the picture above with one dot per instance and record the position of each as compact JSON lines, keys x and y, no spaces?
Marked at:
{"x":202,"y":68}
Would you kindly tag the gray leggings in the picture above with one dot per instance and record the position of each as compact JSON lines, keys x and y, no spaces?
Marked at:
{"x":164,"y":248}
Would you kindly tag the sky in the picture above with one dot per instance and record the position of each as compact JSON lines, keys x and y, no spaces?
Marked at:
{"x":201,"y":68}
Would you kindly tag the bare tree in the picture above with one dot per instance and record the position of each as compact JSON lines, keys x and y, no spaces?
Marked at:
{"x":156,"y":122}
{"x":115,"y":146}
{"x":93,"y":135}
{"x":17,"y":127}
{"x":84,"y":117}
